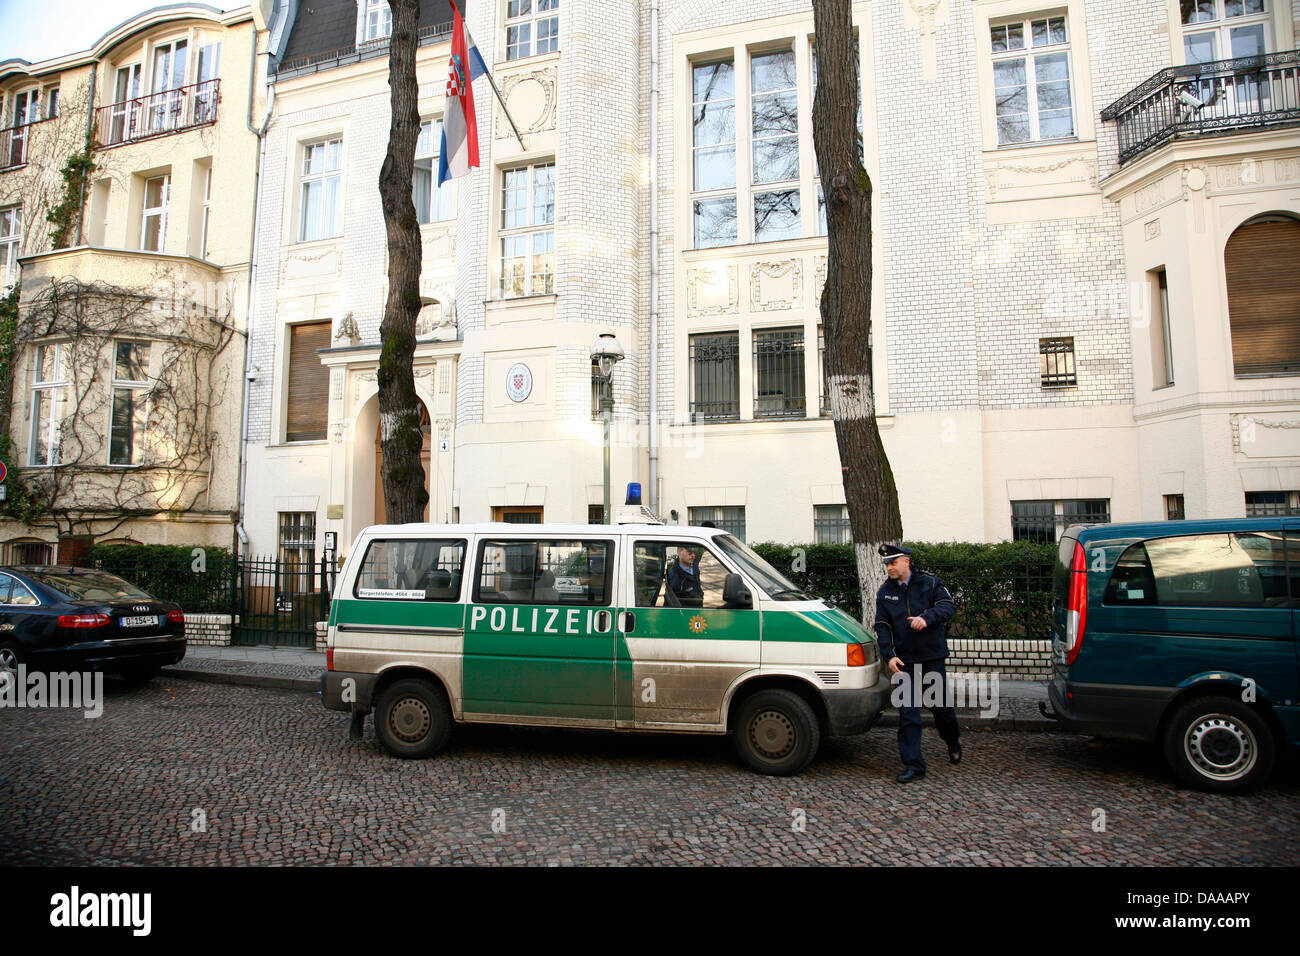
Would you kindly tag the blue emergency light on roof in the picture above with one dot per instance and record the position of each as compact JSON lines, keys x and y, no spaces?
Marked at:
{"x":633,"y":493}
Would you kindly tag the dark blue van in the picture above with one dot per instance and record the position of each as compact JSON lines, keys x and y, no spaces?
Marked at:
{"x":1183,"y":634}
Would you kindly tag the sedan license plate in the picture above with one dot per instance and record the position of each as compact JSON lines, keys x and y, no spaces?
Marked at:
{"x":146,"y":620}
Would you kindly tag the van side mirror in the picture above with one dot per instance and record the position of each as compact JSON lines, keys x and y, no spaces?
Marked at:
{"x":735,"y":594}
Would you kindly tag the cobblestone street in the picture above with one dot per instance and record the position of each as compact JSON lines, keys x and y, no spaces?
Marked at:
{"x":275,"y":779}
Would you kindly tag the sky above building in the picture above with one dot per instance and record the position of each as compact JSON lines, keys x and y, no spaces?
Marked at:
{"x":39,"y":31}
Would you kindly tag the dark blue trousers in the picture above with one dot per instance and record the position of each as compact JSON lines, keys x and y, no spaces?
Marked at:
{"x":909,"y":712}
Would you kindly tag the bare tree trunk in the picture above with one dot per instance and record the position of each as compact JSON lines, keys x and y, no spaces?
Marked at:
{"x":399,"y":407}
{"x":846,"y":301}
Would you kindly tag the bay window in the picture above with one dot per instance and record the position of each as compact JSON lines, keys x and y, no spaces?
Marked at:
{"x":49,"y":403}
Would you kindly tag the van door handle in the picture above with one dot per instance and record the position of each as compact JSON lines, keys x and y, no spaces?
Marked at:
{"x":628,"y":624}
{"x":602,"y":621}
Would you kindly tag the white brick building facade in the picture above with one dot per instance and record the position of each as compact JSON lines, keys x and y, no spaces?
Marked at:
{"x":983,"y":252}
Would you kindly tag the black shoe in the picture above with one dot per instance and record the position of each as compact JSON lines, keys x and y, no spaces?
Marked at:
{"x":910,"y":774}
{"x":954,"y":753}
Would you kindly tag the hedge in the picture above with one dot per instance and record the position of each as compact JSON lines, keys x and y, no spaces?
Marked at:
{"x":1002,"y":590}
{"x":168,"y":572}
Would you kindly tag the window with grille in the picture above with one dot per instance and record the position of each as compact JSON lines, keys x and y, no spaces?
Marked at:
{"x":831,"y":524}
{"x":715,"y":376}
{"x":778,"y":374}
{"x":729,"y":518}
{"x":1056,"y":363}
{"x":1175,"y":509}
{"x":1268,"y":504}
{"x":528,"y":230}
{"x":28,"y":552}
{"x":297,"y":551}
{"x":1044,"y":520}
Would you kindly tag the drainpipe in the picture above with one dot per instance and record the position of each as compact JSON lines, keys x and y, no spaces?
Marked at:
{"x":90,"y":125}
{"x":654,"y":256}
{"x":241,"y":536}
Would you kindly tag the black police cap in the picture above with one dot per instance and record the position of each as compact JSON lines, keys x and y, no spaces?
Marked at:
{"x":888,"y":552}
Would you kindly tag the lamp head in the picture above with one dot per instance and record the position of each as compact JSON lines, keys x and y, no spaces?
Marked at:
{"x":606,"y":353}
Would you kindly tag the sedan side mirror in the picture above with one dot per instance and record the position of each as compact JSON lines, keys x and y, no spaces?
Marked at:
{"x":735,"y":594}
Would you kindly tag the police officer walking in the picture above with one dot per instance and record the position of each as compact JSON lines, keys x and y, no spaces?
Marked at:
{"x":911,"y":610}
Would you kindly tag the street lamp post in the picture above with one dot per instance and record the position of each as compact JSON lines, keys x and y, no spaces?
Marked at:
{"x":606,"y":353}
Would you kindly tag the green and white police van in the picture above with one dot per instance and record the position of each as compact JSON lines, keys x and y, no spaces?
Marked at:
{"x":582,"y":626}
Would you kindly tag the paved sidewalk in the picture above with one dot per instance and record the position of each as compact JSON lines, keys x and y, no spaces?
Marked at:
{"x":290,"y":668}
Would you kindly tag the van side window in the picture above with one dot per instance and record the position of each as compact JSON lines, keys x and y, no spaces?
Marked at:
{"x":544,"y":572}
{"x":1218,"y":570}
{"x":699,"y":575}
{"x":1132,"y":582}
{"x":411,"y":569}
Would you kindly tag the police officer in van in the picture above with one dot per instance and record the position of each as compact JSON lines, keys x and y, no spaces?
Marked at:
{"x":911,"y":610}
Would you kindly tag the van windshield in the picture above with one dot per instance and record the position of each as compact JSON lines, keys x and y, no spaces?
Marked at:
{"x":774,"y":584}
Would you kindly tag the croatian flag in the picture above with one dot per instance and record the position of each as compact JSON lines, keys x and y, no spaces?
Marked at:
{"x":459,"y":150}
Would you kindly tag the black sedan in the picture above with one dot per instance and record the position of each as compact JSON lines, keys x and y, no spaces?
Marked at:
{"x":65,"y":619}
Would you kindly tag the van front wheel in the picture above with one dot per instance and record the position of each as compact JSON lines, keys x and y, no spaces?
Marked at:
{"x":776,"y":733}
{"x":413,"y":718}
{"x":1220,"y":745}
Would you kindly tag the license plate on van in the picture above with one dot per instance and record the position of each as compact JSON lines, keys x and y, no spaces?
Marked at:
{"x":146,"y":620}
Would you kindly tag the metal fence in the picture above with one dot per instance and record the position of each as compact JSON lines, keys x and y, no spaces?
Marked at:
{"x":271,"y":601}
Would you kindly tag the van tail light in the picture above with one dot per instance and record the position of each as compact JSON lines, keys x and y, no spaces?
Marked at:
{"x":857,"y":656}
{"x":176,"y":617}
{"x":329,"y":658}
{"x":1076,"y":608}
{"x":83,"y":620}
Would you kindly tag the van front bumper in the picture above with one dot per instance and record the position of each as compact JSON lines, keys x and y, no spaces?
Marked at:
{"x":336,"y":693}
{"x":852,"y":711}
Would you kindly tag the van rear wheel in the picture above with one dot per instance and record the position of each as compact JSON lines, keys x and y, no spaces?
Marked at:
{"x":776,"y":733}
{"x":1220,"y":745}
{"x":413,"y":718}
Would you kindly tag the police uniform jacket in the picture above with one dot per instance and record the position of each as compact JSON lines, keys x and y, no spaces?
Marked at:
{"x":685,"y":584}
{"x":924,"y":596}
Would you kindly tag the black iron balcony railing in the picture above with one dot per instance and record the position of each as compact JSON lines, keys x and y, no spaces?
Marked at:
{"x":1208,"y":99}
{"x":158,"y":114}
{"x":13,"y":146}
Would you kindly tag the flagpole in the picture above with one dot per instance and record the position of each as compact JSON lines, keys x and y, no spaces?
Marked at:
{"x":500,"y":99}
{"x":505,"y":110}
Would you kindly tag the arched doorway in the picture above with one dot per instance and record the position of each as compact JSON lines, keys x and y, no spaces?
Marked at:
{"x":1262,"y":266}
{"x":426,"y":431}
